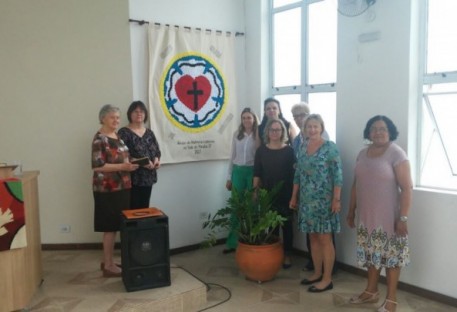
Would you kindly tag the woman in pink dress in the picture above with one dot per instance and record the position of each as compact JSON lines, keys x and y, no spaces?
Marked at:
{"x":381,"y":193}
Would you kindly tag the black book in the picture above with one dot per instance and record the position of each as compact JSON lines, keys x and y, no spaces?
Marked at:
{"x":144,"y":161}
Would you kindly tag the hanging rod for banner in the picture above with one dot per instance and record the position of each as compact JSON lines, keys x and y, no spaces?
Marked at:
{"x":142,"y":22}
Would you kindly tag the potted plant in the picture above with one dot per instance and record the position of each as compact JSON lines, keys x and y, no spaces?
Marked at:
{"x":259,"y":254}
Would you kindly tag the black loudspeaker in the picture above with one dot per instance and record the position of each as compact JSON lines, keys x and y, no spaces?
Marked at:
{"x":145,"y":251}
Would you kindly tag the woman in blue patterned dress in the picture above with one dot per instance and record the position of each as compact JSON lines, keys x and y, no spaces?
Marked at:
{"x":316,"y":193}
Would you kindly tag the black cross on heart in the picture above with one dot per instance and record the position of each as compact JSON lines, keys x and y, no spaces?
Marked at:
{"x":193,"y":92}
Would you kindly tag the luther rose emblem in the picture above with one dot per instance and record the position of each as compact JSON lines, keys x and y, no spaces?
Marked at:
{"x":192,"y":92}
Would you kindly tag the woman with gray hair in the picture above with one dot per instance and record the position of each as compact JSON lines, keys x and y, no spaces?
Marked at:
{"x":273,"y":164}
{"x":111,"y":184}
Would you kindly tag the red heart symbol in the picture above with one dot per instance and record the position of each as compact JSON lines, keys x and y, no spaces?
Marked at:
{"x":193,"y":92}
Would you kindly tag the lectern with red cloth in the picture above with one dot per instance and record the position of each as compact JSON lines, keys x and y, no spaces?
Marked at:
{"x":12,"y":215}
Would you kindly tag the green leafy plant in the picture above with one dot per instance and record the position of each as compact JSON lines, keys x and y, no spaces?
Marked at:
{"x":255,"y":218}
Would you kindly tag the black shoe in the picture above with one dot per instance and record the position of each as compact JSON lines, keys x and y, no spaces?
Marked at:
{"x":286,"y":264}
{"x":314,"y":289}
{"x":228,"y":250}
{"x":309,"y":266}
{"x":309,"y":282}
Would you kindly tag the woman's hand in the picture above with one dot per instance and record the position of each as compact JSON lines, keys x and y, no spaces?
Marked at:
{"x":350,"y":219}
{"x":156,"y":163}
{"x":129,"y":166}
{"x":228,"y":185}
{"x":336,"y":205}
{"x":401,"y":228}
{"x":293,"y":203}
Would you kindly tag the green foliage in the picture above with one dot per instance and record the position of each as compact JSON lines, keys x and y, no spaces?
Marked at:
{"x":254,"y":213}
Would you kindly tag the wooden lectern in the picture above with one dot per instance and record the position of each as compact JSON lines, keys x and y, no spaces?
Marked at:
{"x":20,"y":269}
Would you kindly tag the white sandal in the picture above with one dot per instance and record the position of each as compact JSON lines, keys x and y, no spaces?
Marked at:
{"x":373,"y":298}
{"x":383,"y":307}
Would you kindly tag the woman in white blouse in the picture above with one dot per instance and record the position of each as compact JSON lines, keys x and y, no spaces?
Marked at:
{"x":240,"y":173}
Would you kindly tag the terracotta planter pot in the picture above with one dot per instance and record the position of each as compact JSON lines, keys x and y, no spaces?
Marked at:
{"x":259,"y":263}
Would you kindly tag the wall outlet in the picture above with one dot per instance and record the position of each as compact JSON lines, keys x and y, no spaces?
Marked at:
{"x":64,"y":228}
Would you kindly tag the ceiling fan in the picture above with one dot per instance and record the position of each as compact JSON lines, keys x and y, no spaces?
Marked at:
{"x":354,"y":7}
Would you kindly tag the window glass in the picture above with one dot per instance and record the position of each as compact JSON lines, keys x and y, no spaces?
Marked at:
{"x":442,"y":36}
{"x":438,"y":151}
{"x":439,"y":125}
{"x":322,"y":42}
{"x":287,"y":48}
{"x":304,"y":58}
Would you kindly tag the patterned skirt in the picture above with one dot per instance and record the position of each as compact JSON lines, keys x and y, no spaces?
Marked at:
{"x":378,"y":250}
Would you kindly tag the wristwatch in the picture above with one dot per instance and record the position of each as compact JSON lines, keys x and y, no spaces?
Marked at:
{"x":403,"y":218}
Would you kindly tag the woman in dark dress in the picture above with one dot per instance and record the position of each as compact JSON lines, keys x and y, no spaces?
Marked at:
{"x":273,"y":164}
{"x":141,"y":142}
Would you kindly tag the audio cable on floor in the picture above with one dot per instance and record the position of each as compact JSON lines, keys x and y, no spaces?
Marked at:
{"x":208,"y":288}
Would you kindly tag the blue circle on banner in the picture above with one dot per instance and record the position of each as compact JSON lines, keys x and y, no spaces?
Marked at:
{"x":193,"y":94}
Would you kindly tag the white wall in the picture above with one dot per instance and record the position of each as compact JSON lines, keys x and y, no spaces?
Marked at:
{"x":380,"y":77}
{"x":60,"y":61}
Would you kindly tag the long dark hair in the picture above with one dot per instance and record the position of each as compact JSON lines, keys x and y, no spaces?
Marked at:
{"x":280,"y":116}
{"x":265,"y":118}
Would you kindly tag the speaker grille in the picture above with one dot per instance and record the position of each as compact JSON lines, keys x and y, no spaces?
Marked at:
{"x":148,"y":277}
{"x":147,"y":247}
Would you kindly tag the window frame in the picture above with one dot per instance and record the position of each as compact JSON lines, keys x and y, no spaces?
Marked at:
{"x":304,"y":88}
{"x":427,"y":79}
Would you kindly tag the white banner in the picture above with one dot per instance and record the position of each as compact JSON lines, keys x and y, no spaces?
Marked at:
{"x":192,"y":96}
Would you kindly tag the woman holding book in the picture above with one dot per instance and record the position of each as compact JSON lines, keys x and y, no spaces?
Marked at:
{"x":111,"y":184}
{"x":144,"y":150}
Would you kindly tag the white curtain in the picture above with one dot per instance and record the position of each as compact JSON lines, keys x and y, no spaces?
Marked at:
{"x":192,"y":92}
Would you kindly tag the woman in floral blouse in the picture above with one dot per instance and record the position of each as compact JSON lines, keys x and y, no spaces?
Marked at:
{"x":111,"y":183}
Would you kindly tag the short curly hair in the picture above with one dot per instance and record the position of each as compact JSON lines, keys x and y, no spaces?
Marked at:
{"x":105,"y":110}
{"x":393,"y":132}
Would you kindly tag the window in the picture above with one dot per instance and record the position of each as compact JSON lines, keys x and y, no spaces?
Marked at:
{"x":303,"y":45}
{"x":438,"y":150}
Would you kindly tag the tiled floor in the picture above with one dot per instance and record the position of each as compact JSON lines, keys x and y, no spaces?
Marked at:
{"x":73,"y":282}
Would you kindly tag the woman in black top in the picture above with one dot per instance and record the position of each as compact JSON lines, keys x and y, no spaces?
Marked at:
{"x":141,"y":142}
{"x":272,"y":110}
{"x":273,"y":164}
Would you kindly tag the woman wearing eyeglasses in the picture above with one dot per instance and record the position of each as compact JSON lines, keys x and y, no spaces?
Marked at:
{"x":273,"y":164}
{"x":382,"y":195}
